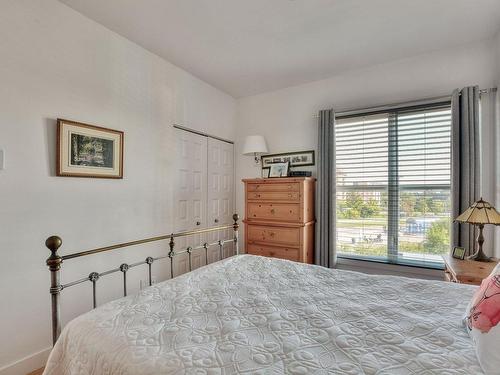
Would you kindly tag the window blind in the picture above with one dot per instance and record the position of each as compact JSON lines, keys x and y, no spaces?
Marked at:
{"x":424,"y":147}
{"x":393,"y":184}
{"x":362,"y":151}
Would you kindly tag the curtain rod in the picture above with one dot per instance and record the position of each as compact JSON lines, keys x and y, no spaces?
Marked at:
{"x":424,"y":101}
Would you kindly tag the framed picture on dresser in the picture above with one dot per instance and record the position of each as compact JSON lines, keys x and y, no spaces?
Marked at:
{"x":278,"y":170}
{"x":265,"y":172}
{"x":295,"y":159}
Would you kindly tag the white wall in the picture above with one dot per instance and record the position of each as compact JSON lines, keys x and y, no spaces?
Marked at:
{"x":56,"y":63}
{"x":496,"y":153}
{"x":490,"y":150}
{"x":285,"y":117}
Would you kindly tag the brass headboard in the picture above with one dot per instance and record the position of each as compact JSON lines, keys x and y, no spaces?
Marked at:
{"x":54,"y":262}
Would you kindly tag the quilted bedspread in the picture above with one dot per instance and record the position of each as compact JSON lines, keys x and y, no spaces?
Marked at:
{"x":255,"y":315}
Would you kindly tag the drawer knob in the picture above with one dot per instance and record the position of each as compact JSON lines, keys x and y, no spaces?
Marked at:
{"x":271,"y":234}
{"x":272,"y":211}
{"x":216,"y":220}
{"x":198,"y":223}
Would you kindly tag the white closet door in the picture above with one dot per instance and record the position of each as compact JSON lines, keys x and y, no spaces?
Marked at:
{"x":220,"y":193}
{"x":190,"y":194}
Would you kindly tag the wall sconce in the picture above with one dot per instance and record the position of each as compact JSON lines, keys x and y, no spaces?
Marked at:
{"x":255,"y":145}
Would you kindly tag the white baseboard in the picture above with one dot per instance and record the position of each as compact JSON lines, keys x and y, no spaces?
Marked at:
{"x":27,"y":364}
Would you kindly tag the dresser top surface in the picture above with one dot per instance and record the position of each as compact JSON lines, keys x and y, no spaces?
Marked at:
{"x":272,"y":180}
{"x":469,"y":268}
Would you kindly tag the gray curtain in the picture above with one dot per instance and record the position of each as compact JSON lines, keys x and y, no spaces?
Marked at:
{"x":465,"y":162}
{"x":325,"y":251}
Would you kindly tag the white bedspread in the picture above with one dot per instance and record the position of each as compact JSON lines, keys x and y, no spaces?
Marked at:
{"x":250,"y":314}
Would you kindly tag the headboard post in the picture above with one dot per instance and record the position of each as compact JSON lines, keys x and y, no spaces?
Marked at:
{"x":236,"y":217}
{"x":54,"y":262}
{"x":171,"y":255}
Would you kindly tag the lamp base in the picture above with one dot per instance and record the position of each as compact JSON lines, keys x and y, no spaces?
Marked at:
{"x":479,"y":256}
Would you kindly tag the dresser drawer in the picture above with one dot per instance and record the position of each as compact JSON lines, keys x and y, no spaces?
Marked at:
{"x":273,"y":235}
{"x":278,"y":186}
{"x":293,"y":196}
{"x":274,"y":252}
{"x":274,"y":211}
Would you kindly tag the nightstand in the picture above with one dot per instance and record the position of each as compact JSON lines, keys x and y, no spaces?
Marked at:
{"x":466,"y":271}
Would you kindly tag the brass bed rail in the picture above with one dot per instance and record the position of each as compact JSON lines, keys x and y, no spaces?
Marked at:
{"x":54,"y":262}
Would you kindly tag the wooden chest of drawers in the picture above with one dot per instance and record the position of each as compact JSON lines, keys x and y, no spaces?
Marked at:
{"x":279,"y":218}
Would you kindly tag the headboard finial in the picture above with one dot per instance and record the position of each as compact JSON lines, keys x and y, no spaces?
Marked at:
{"x":53,"y":243}
{"x":236,"y":225}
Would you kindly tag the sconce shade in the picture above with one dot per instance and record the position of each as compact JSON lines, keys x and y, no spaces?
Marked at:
{"x":254,"y":145}
{"x":481,"y":212}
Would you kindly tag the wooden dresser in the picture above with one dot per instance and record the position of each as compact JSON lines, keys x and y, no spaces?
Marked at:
{"x":279,"y":217}
{"x":466,"y":271}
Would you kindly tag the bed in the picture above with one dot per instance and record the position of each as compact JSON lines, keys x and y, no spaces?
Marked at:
{"x":254,"y":315}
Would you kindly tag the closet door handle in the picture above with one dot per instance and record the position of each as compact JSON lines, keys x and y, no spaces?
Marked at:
{"x":198,"y":223}
{"x":216,"y":220}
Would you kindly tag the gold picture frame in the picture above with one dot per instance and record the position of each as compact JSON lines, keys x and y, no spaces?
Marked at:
{"x":85,"y":150}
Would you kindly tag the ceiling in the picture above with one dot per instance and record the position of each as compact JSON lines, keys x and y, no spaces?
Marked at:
{"x":246,"y":47}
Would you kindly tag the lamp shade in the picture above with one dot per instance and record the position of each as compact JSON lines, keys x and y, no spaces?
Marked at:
{"x":481,"y":212}
{"x":255,"y":144}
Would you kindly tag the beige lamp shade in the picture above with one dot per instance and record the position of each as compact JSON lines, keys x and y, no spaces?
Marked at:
{"x":481,"y":212}
{"x":255,"y":145}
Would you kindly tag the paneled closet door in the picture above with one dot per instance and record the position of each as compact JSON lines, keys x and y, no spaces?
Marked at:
{"x":220,"y":194}
{"x":190,"y":195}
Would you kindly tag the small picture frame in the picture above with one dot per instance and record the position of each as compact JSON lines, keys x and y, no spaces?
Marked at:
{"x":265,"y":172}
{"x":278,"y":170}
{"x":458,"y":252}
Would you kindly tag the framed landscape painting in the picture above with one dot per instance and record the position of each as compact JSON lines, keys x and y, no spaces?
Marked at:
{"x":88,"y":151}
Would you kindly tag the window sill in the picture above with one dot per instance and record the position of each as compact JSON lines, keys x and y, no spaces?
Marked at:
{"x":402,"y":263}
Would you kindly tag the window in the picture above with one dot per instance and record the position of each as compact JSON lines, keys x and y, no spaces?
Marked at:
{"x":393,"y":184}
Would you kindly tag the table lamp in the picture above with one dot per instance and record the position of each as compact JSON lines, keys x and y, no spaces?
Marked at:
{"x":480,"y":213}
